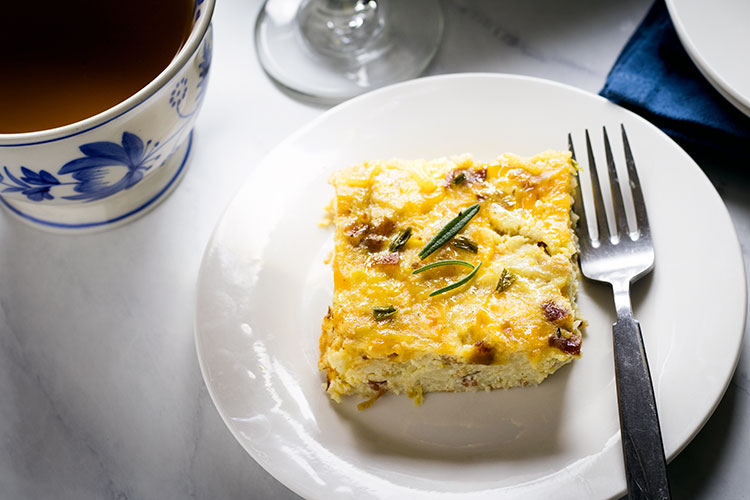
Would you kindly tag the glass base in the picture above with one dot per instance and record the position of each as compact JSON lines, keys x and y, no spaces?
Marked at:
{"x":391,"y":42}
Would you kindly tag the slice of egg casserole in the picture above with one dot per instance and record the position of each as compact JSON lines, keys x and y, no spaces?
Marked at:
{"x":451,"y":275}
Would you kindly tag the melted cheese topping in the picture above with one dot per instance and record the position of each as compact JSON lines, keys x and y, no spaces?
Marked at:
{"x":523,"y":226}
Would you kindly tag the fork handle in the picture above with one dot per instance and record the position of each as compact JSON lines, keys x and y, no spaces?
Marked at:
{"x":645,"y":465}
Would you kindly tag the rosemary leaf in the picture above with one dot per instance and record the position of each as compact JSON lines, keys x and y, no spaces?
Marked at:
{"x":507,"y":278}
{"x":443,"y":263}
{"x":450,"y":230}
{"x":464,"y":243}
{"x":458,"y":283}
{"x":400,"y":240}
{"x":382,"y":312}
{"x":459,"y":179}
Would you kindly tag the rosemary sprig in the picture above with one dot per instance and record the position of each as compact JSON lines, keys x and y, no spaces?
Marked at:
{"x":382,"y":312}
{"x":458,"y":283}
{"x":441,"y":263}
{"x":400,"y":240}
{"x":450,"y":230}
{"x":464,"y":243}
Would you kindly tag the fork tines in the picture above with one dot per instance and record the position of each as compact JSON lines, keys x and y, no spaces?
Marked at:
{"x":620,"y":218}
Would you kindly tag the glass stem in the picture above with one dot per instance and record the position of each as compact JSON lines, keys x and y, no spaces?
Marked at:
{"x":341,"y":29}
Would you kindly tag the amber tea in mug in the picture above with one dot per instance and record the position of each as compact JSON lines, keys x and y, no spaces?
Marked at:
{"x":64,"y":61}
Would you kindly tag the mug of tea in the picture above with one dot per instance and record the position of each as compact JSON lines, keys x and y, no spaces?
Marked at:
{"x":97,"y":106}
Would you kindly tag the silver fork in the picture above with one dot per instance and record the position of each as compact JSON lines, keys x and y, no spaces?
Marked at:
{"x":620,"y":259}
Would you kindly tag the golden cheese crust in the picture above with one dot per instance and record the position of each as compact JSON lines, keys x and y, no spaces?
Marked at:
{"x":512,"y":324}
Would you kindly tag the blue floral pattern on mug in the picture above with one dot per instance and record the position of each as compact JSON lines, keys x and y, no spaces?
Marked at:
{"x":196,"y":9}
{"x":205,"y":63}
{"x":94,"y":171}
{"x":179,"y":92}
{"x":107,"y":167}
{"x":35,"y":186}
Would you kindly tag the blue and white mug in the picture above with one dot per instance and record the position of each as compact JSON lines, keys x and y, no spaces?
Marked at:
{"x":113,"y":167}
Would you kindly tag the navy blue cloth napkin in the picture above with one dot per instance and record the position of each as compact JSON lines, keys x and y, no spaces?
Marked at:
{"x":654,"y":77}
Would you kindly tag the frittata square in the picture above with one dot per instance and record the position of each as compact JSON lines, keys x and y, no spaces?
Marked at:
{"x":451,"y":275}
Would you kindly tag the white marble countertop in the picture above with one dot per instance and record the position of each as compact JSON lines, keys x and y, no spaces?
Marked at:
{"x":101,"y":396}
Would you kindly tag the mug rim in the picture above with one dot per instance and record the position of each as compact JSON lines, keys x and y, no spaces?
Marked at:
{"x":175,"y":65}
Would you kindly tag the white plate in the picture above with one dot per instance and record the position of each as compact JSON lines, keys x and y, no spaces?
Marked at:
{"x":263,"y":290}
{"x":716,"y":36}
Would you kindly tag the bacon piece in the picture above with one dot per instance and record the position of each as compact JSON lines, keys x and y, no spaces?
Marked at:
{"x":378,"y":386}
{"x":372,"y":237}
{"x":571,"y":345}
{"x":386,"y":259}
{"x":356,"y":232}
{"x":384,"y":227}
{"x":460,"y":176}
{"x":479,"y":175}
{"x":484,"y":353}
{"x":553,"y":312}
{"x":373,"y":242}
